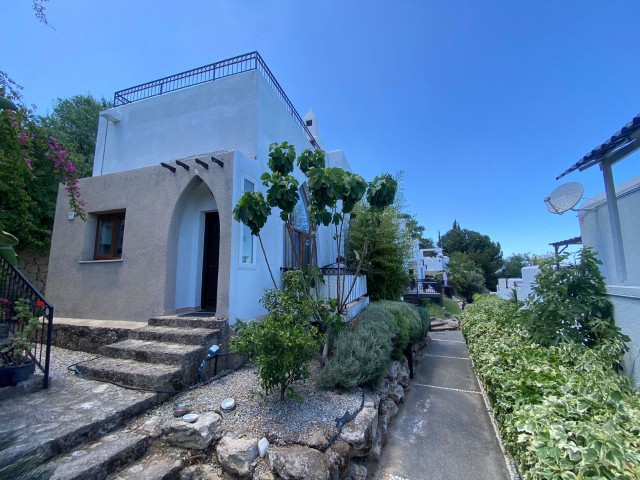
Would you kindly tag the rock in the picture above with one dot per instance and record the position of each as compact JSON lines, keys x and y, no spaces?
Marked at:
{"x":315,"y":439}
{"x":403,"y":373}
{"x":197,"y":436}
{"x":299,"y":463}
{"x":262,"y":447}
{"x":338,"y":457}
{"x":153,"y":427}
{"x":237,"y":455}
{"x":376,"y":448}
{"x":361,"y":432}
{"x":393,"y":371}
{"x":200,"y":472}
{"x":387,"y":411}
{"x":356,"y":472}
{"x":263,"y":472}
{"x":383,"y":387}
{"x":397,"y":394}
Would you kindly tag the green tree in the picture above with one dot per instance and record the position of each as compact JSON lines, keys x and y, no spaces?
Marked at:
{"x":465,"y":275}
{"x":388,"y":248}
{"x":486,"y":254}
{"x":514,"y":264}
{"x":333,"y":194}
{"x":74,"y":123}
{"x":32,"y":164}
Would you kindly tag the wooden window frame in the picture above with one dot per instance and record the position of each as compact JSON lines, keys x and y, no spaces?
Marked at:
{"x":118,"y":218}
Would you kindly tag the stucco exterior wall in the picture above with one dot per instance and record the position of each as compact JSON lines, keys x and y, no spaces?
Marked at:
{"x":626,"y":304}
{"x":625,"y":296}
{"x":596,"y":232}
{"x":143,"y":282}
{"x":213,"y":116}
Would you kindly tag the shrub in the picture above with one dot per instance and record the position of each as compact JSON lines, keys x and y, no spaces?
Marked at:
{"x":409,"y":324}
{"x":570,"y":304}
{"x":562,"y":409}
{"x":425,"y":319}
{"x":362,"y":350}
{"x":284,"y":342}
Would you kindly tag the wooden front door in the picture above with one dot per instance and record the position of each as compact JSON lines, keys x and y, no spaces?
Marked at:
{"x":211,"y":253}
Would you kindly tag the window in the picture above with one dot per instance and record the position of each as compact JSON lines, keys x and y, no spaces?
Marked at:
{"x":309,"y":123}
{"x":298,"y":244}
{"x":109,"y":236}
{"x":246,"y":253}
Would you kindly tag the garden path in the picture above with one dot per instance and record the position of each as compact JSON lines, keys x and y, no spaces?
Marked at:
{"x":444,"y":430}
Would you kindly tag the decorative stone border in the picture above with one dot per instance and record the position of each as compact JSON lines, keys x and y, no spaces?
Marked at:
{"x":351,"y":456}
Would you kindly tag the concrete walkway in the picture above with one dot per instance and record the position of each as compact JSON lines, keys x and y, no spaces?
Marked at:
{"x":444,"y":430}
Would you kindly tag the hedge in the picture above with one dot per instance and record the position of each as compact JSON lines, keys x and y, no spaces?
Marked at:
{"x":563,"y":411}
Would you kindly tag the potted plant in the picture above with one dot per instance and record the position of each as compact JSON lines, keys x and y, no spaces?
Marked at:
{"x":19,"y":348}
{"x":5,"y":373}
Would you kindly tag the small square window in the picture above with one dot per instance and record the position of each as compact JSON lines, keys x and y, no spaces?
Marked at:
{"x":309,"y":123}
{"x":109,"y":236}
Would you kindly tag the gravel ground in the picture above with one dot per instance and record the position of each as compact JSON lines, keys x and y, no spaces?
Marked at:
{"x":61,"y":358}
{"x":309,"y":418}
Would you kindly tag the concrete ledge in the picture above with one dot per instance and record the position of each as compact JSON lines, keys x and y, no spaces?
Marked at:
{"x":623,"y":291}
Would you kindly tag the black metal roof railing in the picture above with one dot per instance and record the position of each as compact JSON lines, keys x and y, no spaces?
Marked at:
{"x":210,"y":73}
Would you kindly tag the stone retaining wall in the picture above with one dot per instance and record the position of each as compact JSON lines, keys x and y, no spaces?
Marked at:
{"x":35,"y":267}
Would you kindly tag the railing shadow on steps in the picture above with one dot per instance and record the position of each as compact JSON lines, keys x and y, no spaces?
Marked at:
{"x":15,"y":286}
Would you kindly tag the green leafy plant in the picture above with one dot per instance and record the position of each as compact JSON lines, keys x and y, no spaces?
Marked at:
{"x":284,"y":342}
{"x":569,"y":304}
{"x":562,"y":409}
{"x":465,"y":276}
{"x":22,"y":341}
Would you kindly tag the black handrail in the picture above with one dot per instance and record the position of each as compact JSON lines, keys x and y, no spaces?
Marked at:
{"x":210,"y":73}
{"x":15,"y":286}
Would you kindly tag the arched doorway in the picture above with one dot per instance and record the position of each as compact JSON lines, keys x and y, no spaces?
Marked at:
{"x":197,"y":248}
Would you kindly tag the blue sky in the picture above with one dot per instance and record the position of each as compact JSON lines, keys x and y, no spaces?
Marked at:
{"x":481,"y":103}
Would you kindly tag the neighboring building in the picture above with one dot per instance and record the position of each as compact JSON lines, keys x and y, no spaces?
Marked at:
{"x":521,"y":286}
{"x":172,"y":159}
{"x":431,"y":261}
{"x":610,"y":224}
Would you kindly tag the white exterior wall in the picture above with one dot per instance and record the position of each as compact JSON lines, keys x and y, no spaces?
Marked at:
{"x":248,"y":282}
{"x":190,"y":248}
{"x":596,"y":233}
{"x":213,"y":116}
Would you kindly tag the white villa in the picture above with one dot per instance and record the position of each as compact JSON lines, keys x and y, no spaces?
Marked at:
{"x":173,"y":157}
{"x":610,"y":224}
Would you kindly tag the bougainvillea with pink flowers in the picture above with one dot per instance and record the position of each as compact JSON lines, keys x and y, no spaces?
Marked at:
{"x":32,"y":165}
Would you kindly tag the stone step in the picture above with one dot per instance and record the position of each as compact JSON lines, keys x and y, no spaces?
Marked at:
{"x":186,"y":322}
{"x":154,"y":376}
{"x":96,"y":460}
{"x":155,"y":466}
{"x":156,"y":352}
{"x":70,"y":413}
{"x":191,"y":336}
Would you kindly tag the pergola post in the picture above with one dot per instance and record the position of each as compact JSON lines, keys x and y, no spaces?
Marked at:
{"x":614,"y":221}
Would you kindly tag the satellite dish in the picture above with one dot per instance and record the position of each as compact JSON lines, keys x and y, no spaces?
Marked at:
{"x":564,"y":198}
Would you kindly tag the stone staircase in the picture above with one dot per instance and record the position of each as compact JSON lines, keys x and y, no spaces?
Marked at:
{"x":164,"y":356}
